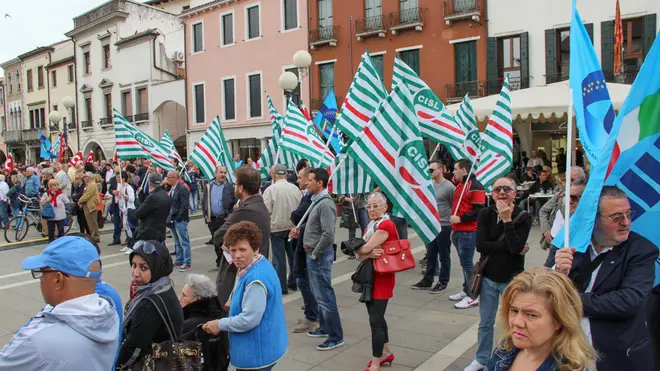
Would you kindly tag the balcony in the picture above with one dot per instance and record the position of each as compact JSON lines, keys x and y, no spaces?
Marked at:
{"x":141,"y":118}
{"x":129,"y":118}
{"x":371,"y":26}
{"x":115,"y":8}
{"x":515,"y":83}
{"x":72,"y":126}
{"x":13,"y":136}
{"x":454,"y":93}
{"x":106,"y":122}
{"x":455,"y":10}
{"x":87,"y":125}
{"x":406,"y":19}
{"x":30,"y":135}
{"x":323,"y":36}
{"x":557,"y":77}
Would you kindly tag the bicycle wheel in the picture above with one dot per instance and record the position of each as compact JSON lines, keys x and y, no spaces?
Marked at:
{"x":68,"y":222}
{"x":17,"y":229}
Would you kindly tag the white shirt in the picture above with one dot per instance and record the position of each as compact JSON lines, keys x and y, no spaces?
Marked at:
{"x":123,"y":203}
{"x":557,"y":224}
{"x":4,"y":188}
{"x":109,"y":175}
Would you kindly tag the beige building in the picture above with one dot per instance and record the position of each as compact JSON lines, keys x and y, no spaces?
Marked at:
{"x":14,"y":115}
{"x":62,"y":84}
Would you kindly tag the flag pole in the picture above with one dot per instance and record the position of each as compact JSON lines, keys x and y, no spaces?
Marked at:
{"x":467,"y":177}
{"x":327,"y":144}
{"x":569,"y":154}
{"x":353,"y":207}
{"x":437,"y":148}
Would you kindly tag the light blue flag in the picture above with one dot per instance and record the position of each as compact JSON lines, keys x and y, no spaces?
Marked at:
{"x":45,"y":147}
{"x":325,"y":120}
{"x":593,"y":107}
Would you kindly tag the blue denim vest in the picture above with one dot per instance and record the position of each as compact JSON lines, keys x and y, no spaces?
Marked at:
{"x":501,"y":360}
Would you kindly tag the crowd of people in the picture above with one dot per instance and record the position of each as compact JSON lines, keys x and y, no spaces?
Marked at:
{"x":595,"y":310}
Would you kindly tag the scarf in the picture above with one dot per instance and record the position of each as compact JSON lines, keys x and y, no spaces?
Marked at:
{"x":256,"y":259}
{"x":160,"y":285}
{"x":373,"y":226}
{"x":54,"y":196}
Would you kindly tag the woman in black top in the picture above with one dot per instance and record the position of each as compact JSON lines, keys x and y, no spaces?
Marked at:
{"x":76,"y":193}
{"x":143,"y":326}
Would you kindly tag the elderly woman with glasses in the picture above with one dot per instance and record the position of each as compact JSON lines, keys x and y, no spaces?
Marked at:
{"x":380,"y":230}
{"x":151,"y":266}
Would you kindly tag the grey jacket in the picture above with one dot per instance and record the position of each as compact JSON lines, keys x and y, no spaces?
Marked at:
{"x":320,"y":228}
{"x":547,"y":216}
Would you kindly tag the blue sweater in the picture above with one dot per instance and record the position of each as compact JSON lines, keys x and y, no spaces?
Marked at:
{"x":266,"y":343}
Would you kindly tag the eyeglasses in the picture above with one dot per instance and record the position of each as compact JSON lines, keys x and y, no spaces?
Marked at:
{"x":575,"y":198}
{"x":619,"y":217}
{"x":147,"y":247}
{"x":39,"y":272}
{"x":505,"y":189}
{"x":373,"y":207}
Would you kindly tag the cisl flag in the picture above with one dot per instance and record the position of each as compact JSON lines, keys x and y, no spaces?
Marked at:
{"x":73,"y":161}
{"x":391,"y":150}
{"x":90,"y":157}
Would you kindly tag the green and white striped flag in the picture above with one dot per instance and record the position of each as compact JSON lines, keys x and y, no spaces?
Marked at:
{"x":269,"y":155}
{"x":390,"y":148}
{"x":300,"y":137}
{"x":132,"y":142}
{"x":363,"y":98}
{"x":497,"y":142}
{"x":211,"y":151}
{"x":464,"y":117}
{"x":168,"y":143}
{"x":435,"y":121}
{"x":347,"y":176}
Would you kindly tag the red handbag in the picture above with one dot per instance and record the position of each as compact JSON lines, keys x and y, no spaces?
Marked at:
{"x":396,"y":257}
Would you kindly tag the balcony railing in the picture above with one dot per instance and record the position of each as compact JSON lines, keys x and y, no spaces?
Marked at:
{"x":322,"y":36}
{"x":370,"y":26}
{"x":460,"y":9}
{"x":129,"y":118}
{"x":13,"y":136}
{"x":87,"y":124}
{"x":98,"y":13}
{"x":456,"y":92}
{"x":557,"y":77}
{"x":105,"y":121}
{"x":31,"y":135}
{"x":72,"y":125}
{"x":515,"y":83}
{"x":408,"y":18}
{"x":141,"y":117}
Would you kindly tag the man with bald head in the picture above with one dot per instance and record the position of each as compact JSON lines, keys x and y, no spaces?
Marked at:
{"x":77,"y":329}
{"x":179,"y":220}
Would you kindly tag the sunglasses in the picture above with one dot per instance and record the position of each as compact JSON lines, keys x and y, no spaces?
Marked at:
{"x":39,"y":272}
{"x":147,"y":247}
{"x":505,"y":189}
{"x":575,"y":198}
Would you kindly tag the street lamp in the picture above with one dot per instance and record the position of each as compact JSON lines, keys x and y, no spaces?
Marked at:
{"x":288,"y":80}
{"x":288,"y":83}
{"x":55,"y":117}
{"x":69,"y":103}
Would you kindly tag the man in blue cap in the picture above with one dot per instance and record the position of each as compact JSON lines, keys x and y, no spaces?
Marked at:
{"x":77,"y":329}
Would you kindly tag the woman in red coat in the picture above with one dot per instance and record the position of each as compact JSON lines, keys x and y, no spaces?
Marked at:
{"x":380,"y":230}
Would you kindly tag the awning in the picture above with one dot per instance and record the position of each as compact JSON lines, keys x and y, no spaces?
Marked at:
{"x":544,"y":103}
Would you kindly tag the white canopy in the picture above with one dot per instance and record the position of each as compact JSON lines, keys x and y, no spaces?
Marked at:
{"x":544,"y":103}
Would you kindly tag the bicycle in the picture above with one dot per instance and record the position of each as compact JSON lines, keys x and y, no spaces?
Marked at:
{"x":18,"y":226}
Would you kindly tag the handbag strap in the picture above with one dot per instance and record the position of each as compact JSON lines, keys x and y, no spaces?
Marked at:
{"x":513,"y":222}
{"x":168,"y":323}
{"x":584,"y":274}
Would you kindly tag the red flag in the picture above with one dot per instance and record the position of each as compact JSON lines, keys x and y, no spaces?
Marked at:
{"x":90,"y":157}
{"x":618,"y":40}
{"x":63,"y":147}
{"x":115,"y":158}
{"x":77,"y":158}
{"x":305,"y":112}
{"x":9,"y":163}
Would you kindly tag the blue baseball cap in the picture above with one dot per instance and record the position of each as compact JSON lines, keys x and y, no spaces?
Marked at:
{"x":71,"y":255}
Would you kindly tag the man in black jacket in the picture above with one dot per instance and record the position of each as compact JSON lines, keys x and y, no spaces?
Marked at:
{"x":614,"y":277}
{"x":502,"y":231}
{"x":220,"y":203}
{"x":179,"y":218}
{"x":114,"y":209}
{"x":153,"y":212}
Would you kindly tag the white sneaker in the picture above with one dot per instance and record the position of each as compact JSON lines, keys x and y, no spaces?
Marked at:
{"x":467,"y":303}
{"x":458,"y":297}
{"x":474,"y":366}
{"x":128,"y":251}
{"x":124,"y":249}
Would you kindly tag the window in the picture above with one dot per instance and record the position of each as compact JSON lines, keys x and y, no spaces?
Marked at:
{"x":295,"y":94}
{"x":254,"y":95}
{"x":290,"y":10}
{"x":18,"y":81}
{"x":373,"y":8}
{"x":466,"y":62}
{"x":53,"y":78}
{"x":9,"y":83}
{"x":633,"y":44}
{"x":411,"y":58}
{"x":42,"y":117}
{"x":509,"y":54}
{"x":379,"y":64}
{"x":40,"y":77}
{"x":37,"y":118}
{"x":107,"y":99}
{"x":227,"y":28}
{"x":87,"y":60}
{"x":142,"y":102}
{"x":106,"y":56}
{"x":198,"y":37}
{"x":325,"y":13}
{"x":564,"y":53}
{"x":29,"y":80}
{"x":69,"y":70}
{"x":126,"y":103}
{"x":326,"y":78}
{"x":229,"y":99}
{"x":199,"y":103}
{"x":253,"y":25}
{"x":88,"y":109}
{"x":409,"y":12}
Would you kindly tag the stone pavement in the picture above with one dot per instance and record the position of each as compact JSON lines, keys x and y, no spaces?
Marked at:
{"x":426,"y":332}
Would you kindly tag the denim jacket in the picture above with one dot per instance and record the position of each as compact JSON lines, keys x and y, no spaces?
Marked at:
{"x":502,"y":360}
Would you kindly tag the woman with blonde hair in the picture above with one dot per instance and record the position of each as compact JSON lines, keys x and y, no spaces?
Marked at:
{"x":57,"y":201}
{"x":540,"y":319}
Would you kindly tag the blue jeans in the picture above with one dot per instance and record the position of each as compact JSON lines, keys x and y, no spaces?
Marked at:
{"x":181,"y":243}
{"x":4,"y":214}
{"x":363,"y":221}
{"x":116,"y":220}
{"x":282,"y":252}
{"x":489,"y":299}
{"x":194,"y":200}
{"x":465,"y":245}
{"x":311,"y":306}
{"x":550,"y":261}
{"x":320,"y":278}
{"x":440,"y":246}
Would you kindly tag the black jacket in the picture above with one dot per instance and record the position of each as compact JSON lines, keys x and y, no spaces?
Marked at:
{"x":299,"y":259}
{"x":615,"y":305}
{"x":504,"y":260}
{"x":214,"y":348}
{"x":152,"y":215}
{"x":228,"y":199}
{"x":77,"y":191}
{"x":145,"y":326}
{"x":180,"y":203}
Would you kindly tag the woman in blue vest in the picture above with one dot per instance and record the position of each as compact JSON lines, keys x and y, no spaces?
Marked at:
{"x":256,"y":324}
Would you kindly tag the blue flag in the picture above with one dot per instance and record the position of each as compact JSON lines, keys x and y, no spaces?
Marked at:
{"x":45,"y":147}
{"x":325,"y":120}
{"x":593,"y":107}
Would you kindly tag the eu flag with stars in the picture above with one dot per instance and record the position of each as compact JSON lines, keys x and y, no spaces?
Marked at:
{"x":325,"y":120}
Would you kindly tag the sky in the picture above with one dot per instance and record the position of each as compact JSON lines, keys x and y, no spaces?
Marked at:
{"x":34,"y":23}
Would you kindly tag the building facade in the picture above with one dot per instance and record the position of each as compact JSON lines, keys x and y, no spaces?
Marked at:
{"x":128,"y":56}
{"x":172,"y":6}
{"x":14,"y":113}
{"x":236,"y":50}
{"x":3,"y":123}
{"x":62,"y":84}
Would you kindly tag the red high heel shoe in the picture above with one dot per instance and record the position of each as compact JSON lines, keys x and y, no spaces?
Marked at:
{"x":389,"y":360}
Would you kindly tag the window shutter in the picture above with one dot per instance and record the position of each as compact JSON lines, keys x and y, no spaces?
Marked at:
{"x":524,"y":60}
{"x":649,"y":32}
{"x":607,"y":49}
{"x":590,"y":31}
{"x":550,"y":55}
{"x":492,"y":68}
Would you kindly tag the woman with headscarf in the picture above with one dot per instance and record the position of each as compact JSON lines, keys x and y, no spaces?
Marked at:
{"x":151,"y":266}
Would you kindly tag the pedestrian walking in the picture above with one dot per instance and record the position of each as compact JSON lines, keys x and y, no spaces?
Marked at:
{"x":179,"y":217}
{"x":218,"y":202}
{"x":153,"y":212}
{"x":89,"y":202}
{"x":58,"y":201}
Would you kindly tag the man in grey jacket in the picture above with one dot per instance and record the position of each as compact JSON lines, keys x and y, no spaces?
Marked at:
{"x":317,"y":240}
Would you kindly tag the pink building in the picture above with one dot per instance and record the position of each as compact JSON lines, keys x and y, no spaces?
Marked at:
{"x":236,"y":50}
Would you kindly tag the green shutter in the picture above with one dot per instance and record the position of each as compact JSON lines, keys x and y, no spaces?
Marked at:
{"x":649,"y":32}
{"x":590,"y":31}
{"x":550,"y":55}
{"x":524,"y":60}
{"x":607,"y":49}
{"x":492,"y":68}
